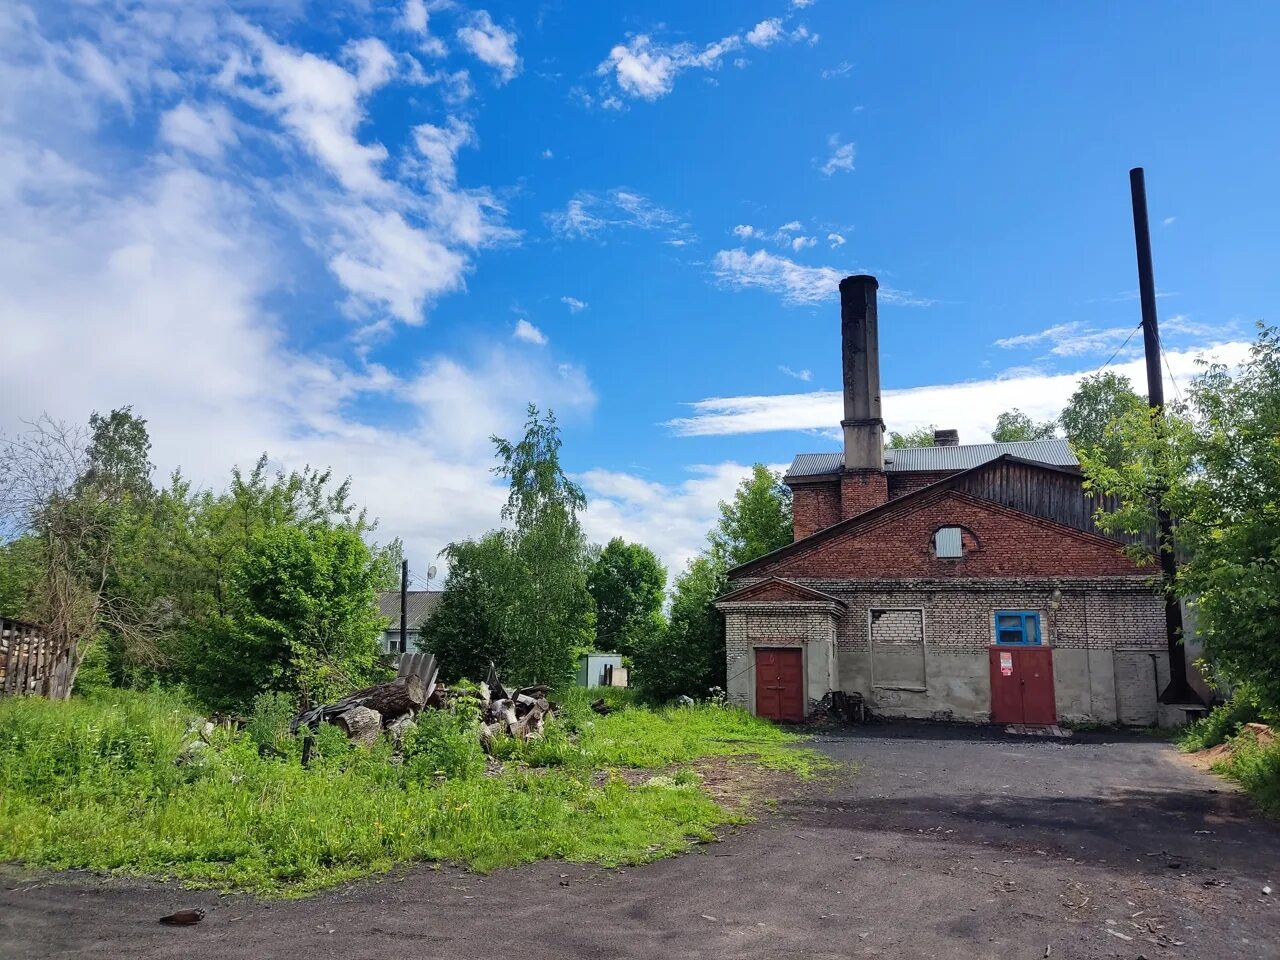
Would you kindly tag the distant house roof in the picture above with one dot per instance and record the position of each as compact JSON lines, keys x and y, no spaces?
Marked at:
{"x":1056,"y":452}
{"x":420,"y":605}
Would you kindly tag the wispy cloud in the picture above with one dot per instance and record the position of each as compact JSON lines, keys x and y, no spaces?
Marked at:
{"x":836,"y":240}
{"x":842,"y":69}
{"x":646,"y":69}
{"x":593,"y":214}
{"x":574,"y":304}
{"x":970,"y":407}
{"x":794,"y":283}
{"x":1167,"y":221}
{"x":1071,"y":339}
{"x":805,"y":375}
{"x":840,"y":159}
{"x":491,"y":44}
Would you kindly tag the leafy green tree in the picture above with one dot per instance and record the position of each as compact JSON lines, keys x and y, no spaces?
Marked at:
{"x":755,"y":521}
{"x":1216,"y":468}
{"x":1090,"y":416}
{"x":19,"y":572}
{"x":303,"y":619}
{"x":467,"y":631}
{"x":554,"y":614}
{"x":688,"y":657}
{"x":1015,"y":425}
{"x":920,"y":437}
{"x":627,"y":583}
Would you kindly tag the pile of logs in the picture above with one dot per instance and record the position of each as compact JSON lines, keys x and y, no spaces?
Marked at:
{"x":518,"y":713}
{"x":364,"y":715}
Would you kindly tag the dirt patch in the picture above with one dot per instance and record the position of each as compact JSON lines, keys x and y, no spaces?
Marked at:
{"x":1206,"y":759}
{"x":733,"y":782}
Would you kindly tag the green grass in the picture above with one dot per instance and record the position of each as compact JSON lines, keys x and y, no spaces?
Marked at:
{"x":94,"y":783}
{"x":1254,"y":767}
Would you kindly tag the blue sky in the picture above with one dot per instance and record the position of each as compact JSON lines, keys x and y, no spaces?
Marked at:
{"x":365,"y":235}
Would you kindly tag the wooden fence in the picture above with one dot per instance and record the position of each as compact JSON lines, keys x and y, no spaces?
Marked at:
{"x":31,"y":663}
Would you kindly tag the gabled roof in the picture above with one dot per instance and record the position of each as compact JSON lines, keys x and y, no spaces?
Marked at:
{"x":909,"y":502}
{"x":1055,"y":452}
{"x":778,"y":589}
{"x":420,"y":604}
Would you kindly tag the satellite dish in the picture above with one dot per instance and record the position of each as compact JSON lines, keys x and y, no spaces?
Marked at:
{"x":431,"y":572}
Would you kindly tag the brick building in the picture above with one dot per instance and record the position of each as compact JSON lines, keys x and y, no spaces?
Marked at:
{"x":951,"y":581}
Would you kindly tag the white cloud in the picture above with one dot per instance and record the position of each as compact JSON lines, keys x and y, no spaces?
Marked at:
{"x":414,"y":16}
{"x":1073,"y":339}
{"x":801,"y":4}
{"x":527,"y":332}
{"x":836,"y":240}
{"x":491,"y":44}
{"x":204,"y":130}
{"x":842,"y":69}
{"x":970,"y":407}
{"x":547,"y":154}
{"x":1167,"y":221}
{"x":841,"y":158}
{"x":805,"y":375}
{"x":746,"y":231}
{"x":574,"y":304}
{"x":671,"y":519}
{"x":794,"y":283}
{"x":800,"y":243}
{"x":592,"y":215}
{"x":765,"y":33}
{"x":791,"y":227}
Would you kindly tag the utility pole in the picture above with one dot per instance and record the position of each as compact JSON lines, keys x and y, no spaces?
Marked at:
{"x":1178,"y":690}
{"x":404,"y":605}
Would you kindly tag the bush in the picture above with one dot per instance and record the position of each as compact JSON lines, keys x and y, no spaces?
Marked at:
{"x":443,"y":744}
{"x":1223,"y":722}
{"x":1256,"y":768}
{"x":268,"y":724}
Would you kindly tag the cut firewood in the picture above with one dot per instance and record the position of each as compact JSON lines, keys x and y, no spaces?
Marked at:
{"x":361,"y":725}
{"x":398,"y":727}
{"x":399,"y":696}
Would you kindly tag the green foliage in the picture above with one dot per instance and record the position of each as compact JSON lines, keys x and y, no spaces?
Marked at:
{"x":301,"y":617}
{"x":519,"y":597}
{"x":689,"y":656}
{"x":756,"y":521}
{"x":466,"y":632}
{"x":1013,"y":425}
{"x":19,"y":572}
{"x":1215,"y":467}
{"x":94,"y":784}
{"x":1223,"y":722}
{"x":920,"y":437}
{"x":627,"y":583}
{"x":269,"y":721}
{"x":443,"y":744}
{"x":1256,"y":768}
{"x":1091,"y":416}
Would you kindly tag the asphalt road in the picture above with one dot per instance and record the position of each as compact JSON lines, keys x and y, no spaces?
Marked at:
{"x":945,"y":843}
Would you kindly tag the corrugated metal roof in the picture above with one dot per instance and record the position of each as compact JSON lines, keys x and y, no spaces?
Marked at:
{"x":419,"y":605}
{"x":1056,"y":452}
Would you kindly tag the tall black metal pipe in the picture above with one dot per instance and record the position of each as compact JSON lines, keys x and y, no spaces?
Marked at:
{"x":404,"y":605}
{"x":1178,"y":690}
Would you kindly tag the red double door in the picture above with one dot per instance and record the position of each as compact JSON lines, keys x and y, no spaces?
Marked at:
{"x":780,"y":683}
{"x":1022,"y":685}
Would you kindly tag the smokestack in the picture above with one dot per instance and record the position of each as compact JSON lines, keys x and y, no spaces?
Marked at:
{"x":860,"y":344}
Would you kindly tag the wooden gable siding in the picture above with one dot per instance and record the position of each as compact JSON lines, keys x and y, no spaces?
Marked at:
{"x":1050,"y":494}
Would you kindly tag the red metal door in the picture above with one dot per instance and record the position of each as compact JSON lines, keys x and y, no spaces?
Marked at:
{"x":1022,"y":685}
{"x":780,"y":684}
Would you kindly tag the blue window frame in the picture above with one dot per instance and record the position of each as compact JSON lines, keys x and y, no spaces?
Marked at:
{"x":1021,"y":627}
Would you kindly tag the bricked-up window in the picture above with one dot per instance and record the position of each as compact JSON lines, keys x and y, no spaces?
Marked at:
{"x":1017,"y":627}
{"x":948,"y":543}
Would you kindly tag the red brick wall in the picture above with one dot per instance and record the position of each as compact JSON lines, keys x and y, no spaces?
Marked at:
{"x":1008,"y":544}
{"x":900,"y":484}
{"x":860,"y":490}
{"x":814,"y":506}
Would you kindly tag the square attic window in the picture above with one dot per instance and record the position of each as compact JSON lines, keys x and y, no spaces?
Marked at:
{"x":947,"y":544}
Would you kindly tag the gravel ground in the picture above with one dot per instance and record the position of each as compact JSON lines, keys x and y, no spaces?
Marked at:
{"x":945,"y":842}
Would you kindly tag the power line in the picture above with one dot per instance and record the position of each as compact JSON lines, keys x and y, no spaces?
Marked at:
{"x":1165,"y":356}
{"x":1122,"y":346}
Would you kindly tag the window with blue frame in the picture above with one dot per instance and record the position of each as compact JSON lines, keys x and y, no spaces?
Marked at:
{"x":1017,"y":627}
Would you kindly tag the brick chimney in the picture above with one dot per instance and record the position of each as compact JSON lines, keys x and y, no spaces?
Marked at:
{"x":863,"y":484}
{"x":946,"y":438}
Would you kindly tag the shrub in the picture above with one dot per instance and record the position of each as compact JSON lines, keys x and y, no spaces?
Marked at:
{"x":1223,"y":722}
{"x":443,"y":744}
{"x":268,"y":724}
